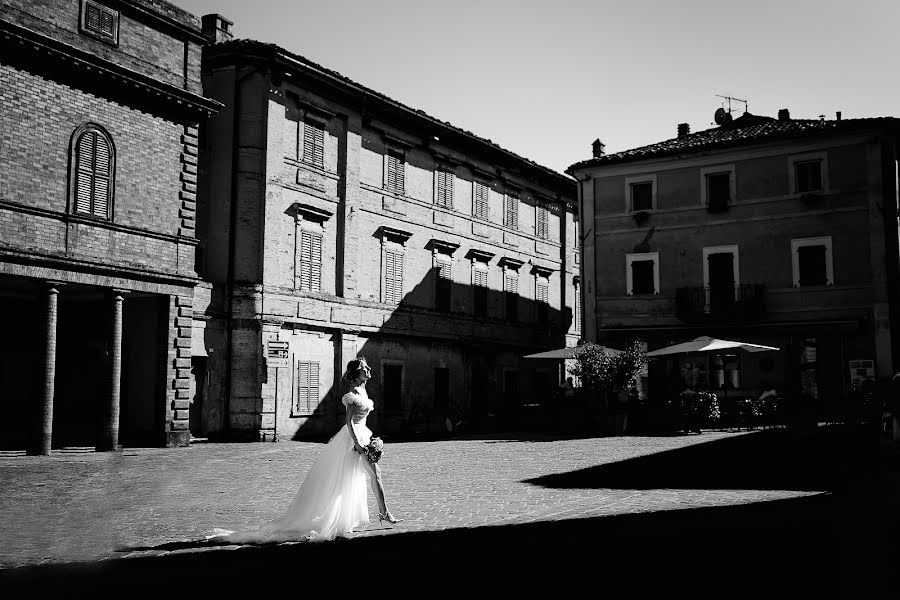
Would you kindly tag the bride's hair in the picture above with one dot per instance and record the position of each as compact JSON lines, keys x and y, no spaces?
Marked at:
{"x":354,"y":368}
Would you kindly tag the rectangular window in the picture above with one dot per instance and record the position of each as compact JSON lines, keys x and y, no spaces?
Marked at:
{"x":100,"y":22}
{"x":812,"y":265}
{"x":307,"y":399}
{"x":310,"y":272}
{"x":808,"y":176}
{"x":443,"y":285}
{"x":481,"y":201}
{"x":443,"y":194}
{"x":480,"y":288}
{"x":393,"y":276}
{"x":511,"y":214}
{"x":541,"y":222}
{"x":642,"y":196}
{"x":642,"y":277}
{"x":541,"y":297}
{"x":812,"y":261}
{"x":718,"y":190}
{"x":511,"y":295}
{"x":395,"y":178}
{"x":392,"y":390}
{"x":313,"y":144}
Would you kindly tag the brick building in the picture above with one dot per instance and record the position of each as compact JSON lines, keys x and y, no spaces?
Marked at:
{"x":98,"y":168}
{"x":776,"y":231}
{"x":336,"y":221}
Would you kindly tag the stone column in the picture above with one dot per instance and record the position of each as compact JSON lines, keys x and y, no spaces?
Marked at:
{"x":109,"y":436}
{"x":41,"y":444}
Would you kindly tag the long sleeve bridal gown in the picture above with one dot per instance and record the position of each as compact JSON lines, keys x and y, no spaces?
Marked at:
{"x":332,"y":500}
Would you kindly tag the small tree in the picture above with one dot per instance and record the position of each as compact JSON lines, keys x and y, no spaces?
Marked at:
{"x":602,"y":371}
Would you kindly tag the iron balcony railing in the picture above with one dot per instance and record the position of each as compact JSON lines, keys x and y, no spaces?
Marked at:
{"x":742,"y":302}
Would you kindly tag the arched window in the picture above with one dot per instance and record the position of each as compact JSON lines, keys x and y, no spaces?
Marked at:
{"x":93,"y":170}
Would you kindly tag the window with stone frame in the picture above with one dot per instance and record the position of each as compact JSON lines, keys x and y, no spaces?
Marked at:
{"x":480,"y":207}
{"x":480,"y":287}
{"x":511,"y":211}
{"x":395,"y":176}
{"x":308,"y":394}
{"x":313,"y":143}
{"x":443,"y":188}
{"x":309,"y":273}
{"x":641,"y":196}
{"x":99,"y":22}
{"x":93,"y":172}
{"x":812,"y":261}
{"x":541,"y":223}
{"x":642,"y":273}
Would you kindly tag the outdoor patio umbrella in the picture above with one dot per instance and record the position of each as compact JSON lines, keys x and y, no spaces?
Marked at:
{"x":707,"y":345}
{"x":568,"y":352}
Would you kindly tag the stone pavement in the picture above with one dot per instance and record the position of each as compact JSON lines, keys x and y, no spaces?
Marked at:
{"x":79,"y":507}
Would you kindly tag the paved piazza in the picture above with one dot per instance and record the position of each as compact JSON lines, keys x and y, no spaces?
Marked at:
{"x":80,"y":505}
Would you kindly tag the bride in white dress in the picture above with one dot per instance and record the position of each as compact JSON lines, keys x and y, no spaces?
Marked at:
{"x":331,"y":501}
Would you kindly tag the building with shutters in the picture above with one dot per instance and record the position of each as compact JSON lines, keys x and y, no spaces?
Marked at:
{"x":777,"y":231}
{"x":101,"y":103}
{"x":336,"y":221}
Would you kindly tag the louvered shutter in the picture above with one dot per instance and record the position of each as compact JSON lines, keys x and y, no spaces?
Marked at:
{"x":310,"y":261}
{"x":307,"y":387}
{"x":444,"y":195}
{"x":395,"y":174}
{"x":481,"y":201}
{"x":542,"y":291}
{"x":84,"y":171}
{"x":92,"y":20}
{"x":393,"y":277}
{"x":481,"y":277}
{"x":541,"y":225}
{"x":107,"y":24}
{"x":101,"y":178}
{"x":313,"y":144}
{"x":512,"y":212}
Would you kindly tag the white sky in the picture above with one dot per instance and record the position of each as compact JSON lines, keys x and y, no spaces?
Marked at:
{"x":545,"y":78}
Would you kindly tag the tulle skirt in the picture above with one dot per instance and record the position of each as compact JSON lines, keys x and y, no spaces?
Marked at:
{"x":331,"y":501}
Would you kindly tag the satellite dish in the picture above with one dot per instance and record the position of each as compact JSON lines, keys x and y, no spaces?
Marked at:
{"x":720,"y":116}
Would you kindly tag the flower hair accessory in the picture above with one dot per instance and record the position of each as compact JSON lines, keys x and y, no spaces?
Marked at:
{"x":374,"y":449}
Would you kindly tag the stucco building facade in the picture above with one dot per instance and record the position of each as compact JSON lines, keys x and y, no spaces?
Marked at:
{"x":777,"y":231}
{"x":335,"y":222}
{"x":101,"y":103}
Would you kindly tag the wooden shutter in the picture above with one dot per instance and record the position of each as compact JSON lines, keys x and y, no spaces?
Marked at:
{"x":512,"y":212}
{"x":444,"y":192}
{"x":92,"y":174}
{"x":541,"y":224}
{"x":481,"y":200}
{"x":393,"y":276}
{"x":480,"y":277}
{"x":310,"y":261}
{"x":541,"y":291}
{"x":395,"y":176}
{"x":307,"y":387}
{"x":313,"y":144}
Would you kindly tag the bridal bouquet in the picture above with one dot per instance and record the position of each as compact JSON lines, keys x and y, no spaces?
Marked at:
{"x":374,"y":449}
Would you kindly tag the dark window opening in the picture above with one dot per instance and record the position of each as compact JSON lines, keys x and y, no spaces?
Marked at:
{"x":808,"y":176}
{"x":642,"y":277}
{"x":642,"y":196}
{"x":392,"y":389}
{"x":442,"y":287}
{"x":813,"y":270}
{"x":718,"y":190}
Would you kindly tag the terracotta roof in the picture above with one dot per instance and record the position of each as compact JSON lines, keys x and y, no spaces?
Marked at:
{"x":253,"y":45}
{"x":745,"y":130}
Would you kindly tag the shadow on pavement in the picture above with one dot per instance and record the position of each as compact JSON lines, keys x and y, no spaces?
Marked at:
{"x":827,"y":459}
{"x":812,"y":545}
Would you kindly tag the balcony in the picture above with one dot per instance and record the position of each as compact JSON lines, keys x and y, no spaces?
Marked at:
{"x":739,"y":303}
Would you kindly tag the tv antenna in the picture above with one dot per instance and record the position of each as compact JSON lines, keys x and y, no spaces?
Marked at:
{"x":722,"y":116}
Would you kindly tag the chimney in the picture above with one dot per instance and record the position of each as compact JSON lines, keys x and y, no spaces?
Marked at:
{"x":683,"y":130}
{"x":216,"y":28}
{"x":784,"y":115}
{"x":838,"y":114}
{"x":598,"y":148}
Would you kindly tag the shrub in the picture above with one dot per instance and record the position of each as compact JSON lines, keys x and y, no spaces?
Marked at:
{"x":602,"y":371}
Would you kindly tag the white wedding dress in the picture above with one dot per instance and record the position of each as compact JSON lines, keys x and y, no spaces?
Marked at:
{"x":332,"y":500}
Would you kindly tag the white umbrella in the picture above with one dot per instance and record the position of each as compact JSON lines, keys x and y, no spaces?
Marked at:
{"x":707,"y":344}
{"x":568,"y":352}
